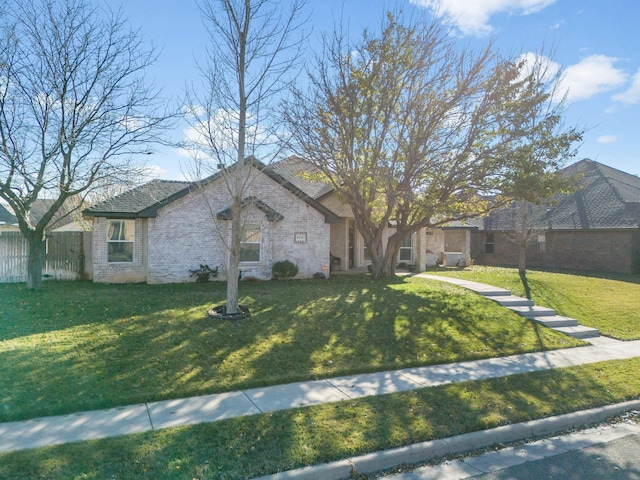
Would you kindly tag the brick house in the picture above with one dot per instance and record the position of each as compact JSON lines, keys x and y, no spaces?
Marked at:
{"x":594,"y":228}
{"x":159,"y":231}
{"x":156,"y":233}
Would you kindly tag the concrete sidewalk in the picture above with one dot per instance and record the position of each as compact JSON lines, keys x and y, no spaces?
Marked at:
{"x":210,"y":408}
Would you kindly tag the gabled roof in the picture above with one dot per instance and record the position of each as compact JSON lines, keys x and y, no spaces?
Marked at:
{"x":270,"y":213}
{"x":140,"y":202}
{"x":145,"y":201}
{"x":606,"y":198}
{"x":272,"y":171}
{"x":300,"y":173}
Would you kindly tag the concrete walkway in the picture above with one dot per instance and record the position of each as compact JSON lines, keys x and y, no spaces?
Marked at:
{"x":522,"y":306}
{"x":210,"y":408}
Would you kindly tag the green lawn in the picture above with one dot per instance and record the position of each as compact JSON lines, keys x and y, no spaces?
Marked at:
{"x":78,"y":346}
{"x":610,"y":303}
{"x":256,"y":445}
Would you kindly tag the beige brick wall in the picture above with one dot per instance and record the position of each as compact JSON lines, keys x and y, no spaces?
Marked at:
{"x":184,"y":235}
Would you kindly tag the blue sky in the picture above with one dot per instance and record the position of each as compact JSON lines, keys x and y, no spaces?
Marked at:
{"x":595,"y":43}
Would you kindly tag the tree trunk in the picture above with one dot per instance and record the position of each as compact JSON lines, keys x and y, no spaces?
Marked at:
{"x":383,"y":261}
{"x":35,"y":261}
{"x":522,"y":256}
{"x":377,"y":256}
{"x":233,"y":272}
{"x":391,"y":254}
{"x":525,"y":237}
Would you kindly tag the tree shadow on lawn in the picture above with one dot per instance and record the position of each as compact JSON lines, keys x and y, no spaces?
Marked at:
{"x":396,"y":323}
{"x":257,"y":445}
{"x":318,"y":330}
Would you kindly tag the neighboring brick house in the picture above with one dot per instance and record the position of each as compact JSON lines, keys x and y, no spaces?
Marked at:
{"x":156,"y":233}
{"x":594,"y":228}
{"x":9,"y":222}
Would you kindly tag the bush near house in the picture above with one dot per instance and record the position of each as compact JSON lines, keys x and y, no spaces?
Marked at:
{"x":284,"y":270}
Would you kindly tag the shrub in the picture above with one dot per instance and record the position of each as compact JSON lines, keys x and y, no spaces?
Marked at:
{"x":284,"y":269}
{"x":319,"y":276}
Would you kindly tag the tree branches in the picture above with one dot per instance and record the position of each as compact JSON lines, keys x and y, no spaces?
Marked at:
{"x":411,"y":128}
{"x":74,"y":105}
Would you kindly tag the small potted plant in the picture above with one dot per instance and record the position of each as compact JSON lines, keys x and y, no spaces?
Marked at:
{"x":204,"y":273}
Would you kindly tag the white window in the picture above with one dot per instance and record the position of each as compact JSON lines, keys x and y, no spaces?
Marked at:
{"x":406,"y":249}
{"x":120,"y":239}
{"x":250,"y":244}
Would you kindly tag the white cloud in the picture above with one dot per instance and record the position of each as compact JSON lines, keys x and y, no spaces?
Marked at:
{"x":548,"y":69}
{"x":155,"y":171}
{"x":472,"y":16}
{"x":593,"y":75}
{"x":632,"y":95}
{"x":607,"y":139}
{"x":557,"y":25}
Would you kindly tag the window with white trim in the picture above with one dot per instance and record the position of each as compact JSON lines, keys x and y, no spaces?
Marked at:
{"x":120,"y":241}
{"x":251,"y":244}
{"x":406,"y":249}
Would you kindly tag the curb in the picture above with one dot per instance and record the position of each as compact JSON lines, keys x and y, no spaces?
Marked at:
{"x":467,"y":442}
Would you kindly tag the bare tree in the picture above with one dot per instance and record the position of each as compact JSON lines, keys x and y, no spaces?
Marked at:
{"x":74,"y":108}
{"x":254,"y":45}
{"x":412,"y":129}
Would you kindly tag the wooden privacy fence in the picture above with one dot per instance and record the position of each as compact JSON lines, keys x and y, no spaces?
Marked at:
{"x":64,"y":256}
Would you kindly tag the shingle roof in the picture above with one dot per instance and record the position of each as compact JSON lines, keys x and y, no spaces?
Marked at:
{"x":142,"y":201}
{"x":605,"y":198}
{"x":299,"y":173}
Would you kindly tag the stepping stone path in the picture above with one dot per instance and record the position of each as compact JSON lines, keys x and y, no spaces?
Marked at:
{"x":522,"y":306}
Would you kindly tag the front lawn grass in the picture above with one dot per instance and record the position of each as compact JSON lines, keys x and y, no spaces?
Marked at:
{"x":78,"y":346}
{"x":608,"y":302}
{"x":256,"y":445}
